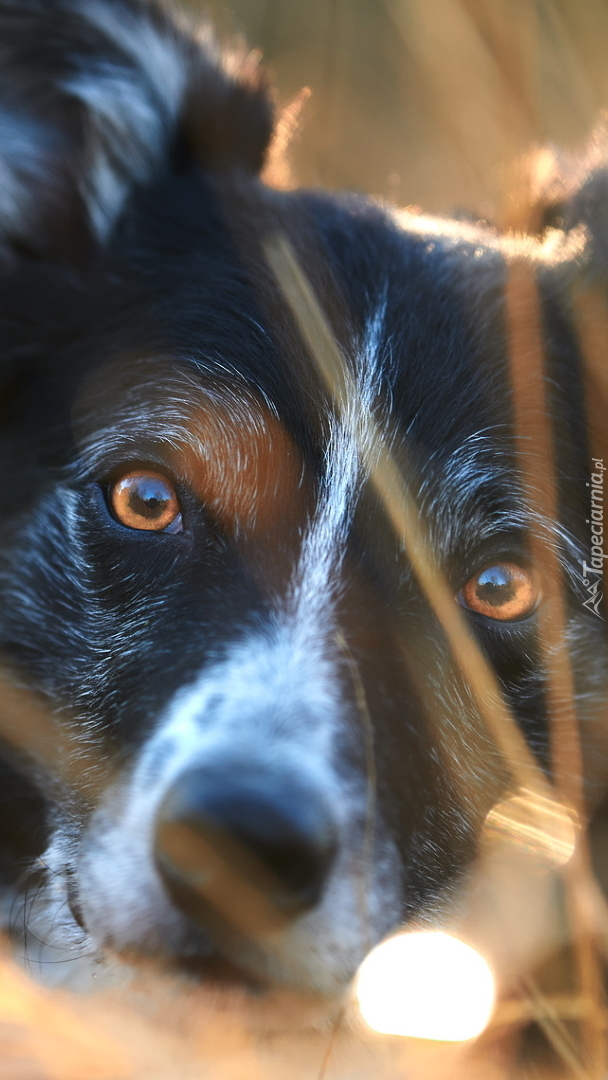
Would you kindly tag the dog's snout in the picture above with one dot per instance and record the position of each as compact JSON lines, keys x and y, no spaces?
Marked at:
{"x":243,"y":852}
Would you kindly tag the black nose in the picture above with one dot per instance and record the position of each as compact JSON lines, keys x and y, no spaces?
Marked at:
{"x":241,"y":851}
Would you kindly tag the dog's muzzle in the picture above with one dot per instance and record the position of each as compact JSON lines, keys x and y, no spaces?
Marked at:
{"x":243,"y":852}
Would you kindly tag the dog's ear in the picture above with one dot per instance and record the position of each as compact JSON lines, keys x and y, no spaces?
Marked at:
{"x":575,"y":200}
{"x":570,"y":191}
{"x":94,"y":96}
{"x":588,"y":206}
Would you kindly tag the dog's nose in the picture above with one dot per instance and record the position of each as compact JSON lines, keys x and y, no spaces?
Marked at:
{"x":241,"y":851}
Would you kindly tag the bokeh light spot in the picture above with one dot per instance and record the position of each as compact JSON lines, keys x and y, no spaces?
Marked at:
{"x":544,"y":826}
{"x":426,"y":985}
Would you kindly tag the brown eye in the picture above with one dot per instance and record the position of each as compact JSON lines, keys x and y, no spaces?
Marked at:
{"x":504,"y":591}
{"x":146,"y":500}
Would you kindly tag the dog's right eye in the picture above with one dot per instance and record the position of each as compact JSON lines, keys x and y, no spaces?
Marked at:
{"x":145,"y":500}
{"x":504,"y":591}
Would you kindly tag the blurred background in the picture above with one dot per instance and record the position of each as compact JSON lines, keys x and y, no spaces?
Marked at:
{"x":429,"y":102}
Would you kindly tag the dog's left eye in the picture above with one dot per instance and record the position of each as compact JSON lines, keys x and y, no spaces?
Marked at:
{"x":504,"y":591}
{"x":146,"y":500}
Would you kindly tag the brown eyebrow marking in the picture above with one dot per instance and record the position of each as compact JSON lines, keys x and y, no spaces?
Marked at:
{"x":213,"y":430}
{"x":244,"y":467}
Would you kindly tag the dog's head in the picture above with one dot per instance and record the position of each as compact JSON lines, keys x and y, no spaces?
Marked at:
{"x":270,"y":755}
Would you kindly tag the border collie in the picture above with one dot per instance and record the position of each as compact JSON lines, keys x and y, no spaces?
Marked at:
{"x":237,"y":742}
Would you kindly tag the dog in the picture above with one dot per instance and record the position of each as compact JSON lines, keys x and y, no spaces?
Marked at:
{"x":259,"y":754}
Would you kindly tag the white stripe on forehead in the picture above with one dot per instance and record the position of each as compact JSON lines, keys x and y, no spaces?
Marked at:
{"x":315,"y":580}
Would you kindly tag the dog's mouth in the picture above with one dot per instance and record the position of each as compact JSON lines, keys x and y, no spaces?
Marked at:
{"x":218,"y":971}
{"x":210,"y":968}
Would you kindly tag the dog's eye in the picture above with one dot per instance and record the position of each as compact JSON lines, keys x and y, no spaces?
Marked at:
{"x":504,"y":591}
{"x":146,"y":500}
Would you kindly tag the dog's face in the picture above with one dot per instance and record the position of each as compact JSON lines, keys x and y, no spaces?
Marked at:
{"x":280,"y":759}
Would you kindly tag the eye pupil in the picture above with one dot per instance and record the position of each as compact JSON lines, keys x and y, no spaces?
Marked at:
{"x":496,"y":586}
{"x":146,"y":498}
